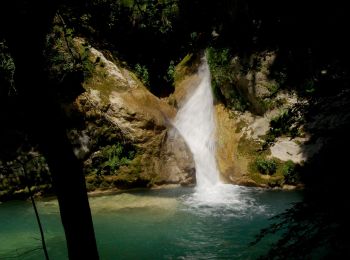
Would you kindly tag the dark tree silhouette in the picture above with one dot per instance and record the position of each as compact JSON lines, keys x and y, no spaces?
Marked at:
{"x":24,"y":25}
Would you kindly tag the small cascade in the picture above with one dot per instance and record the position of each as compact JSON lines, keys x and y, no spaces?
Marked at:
{"x":196,"y":123}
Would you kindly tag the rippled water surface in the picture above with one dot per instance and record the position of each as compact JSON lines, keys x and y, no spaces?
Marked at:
{"x":161,"y":224}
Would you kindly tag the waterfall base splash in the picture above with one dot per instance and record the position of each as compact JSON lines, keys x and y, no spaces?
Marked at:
{"x":223,"y":199}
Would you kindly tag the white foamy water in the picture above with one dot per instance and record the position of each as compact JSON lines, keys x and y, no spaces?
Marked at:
{"x":224,"y":200}
{"x":196,"y":123}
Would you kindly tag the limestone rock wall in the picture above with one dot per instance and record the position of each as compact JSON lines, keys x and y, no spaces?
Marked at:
{"x":117,"y":107}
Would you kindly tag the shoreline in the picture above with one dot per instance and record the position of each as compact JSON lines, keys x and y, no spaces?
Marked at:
{"x":111,"y":191}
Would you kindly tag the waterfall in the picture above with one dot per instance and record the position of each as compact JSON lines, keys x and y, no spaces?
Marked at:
{"x":196,"y":123}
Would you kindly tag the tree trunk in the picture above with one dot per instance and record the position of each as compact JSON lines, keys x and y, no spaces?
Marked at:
{"x":26,"y":32}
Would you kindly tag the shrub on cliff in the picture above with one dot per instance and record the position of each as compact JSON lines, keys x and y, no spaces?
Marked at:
{"x":266,"y":166}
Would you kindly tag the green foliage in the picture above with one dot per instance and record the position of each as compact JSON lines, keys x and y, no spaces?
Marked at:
{"x":281,"y":124}
{"x":7,"y":67}
{"x":66,"y":60}
{"x":147,"y":15}
{"x":142,"y":73}
{"x":84,"y":63}
{"x":273,"y":88}
{"x":170,"y":77}
{"x":37,"y":169}
{"x":28,"y":169}
{"x":219,"y":64}
{"x":288,"y":123}
{"x":290,"y":172}
{"x":223,"y":85}
{"x":138,"y":31}
{"x":112,"y":157}
{"x":218,"y":57}
{"x":157,"y":15}
{"x":265,"y":166}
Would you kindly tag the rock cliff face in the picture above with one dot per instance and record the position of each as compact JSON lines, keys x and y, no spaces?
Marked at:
{"x":232,"y":166}
{"x":254,"y":83}
{"x":118,"y":109}
{"x":124,"y":134}
{"x":119,"y":130}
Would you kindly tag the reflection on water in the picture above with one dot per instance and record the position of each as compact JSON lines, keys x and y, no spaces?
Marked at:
{"x":161,"y":224}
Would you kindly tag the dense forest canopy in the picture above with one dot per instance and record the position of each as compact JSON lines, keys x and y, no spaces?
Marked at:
{"x":309,"y":37}
{"x":40,"y":70}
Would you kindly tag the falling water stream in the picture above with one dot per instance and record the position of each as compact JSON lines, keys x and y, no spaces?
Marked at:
{"x":196,"y":123}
